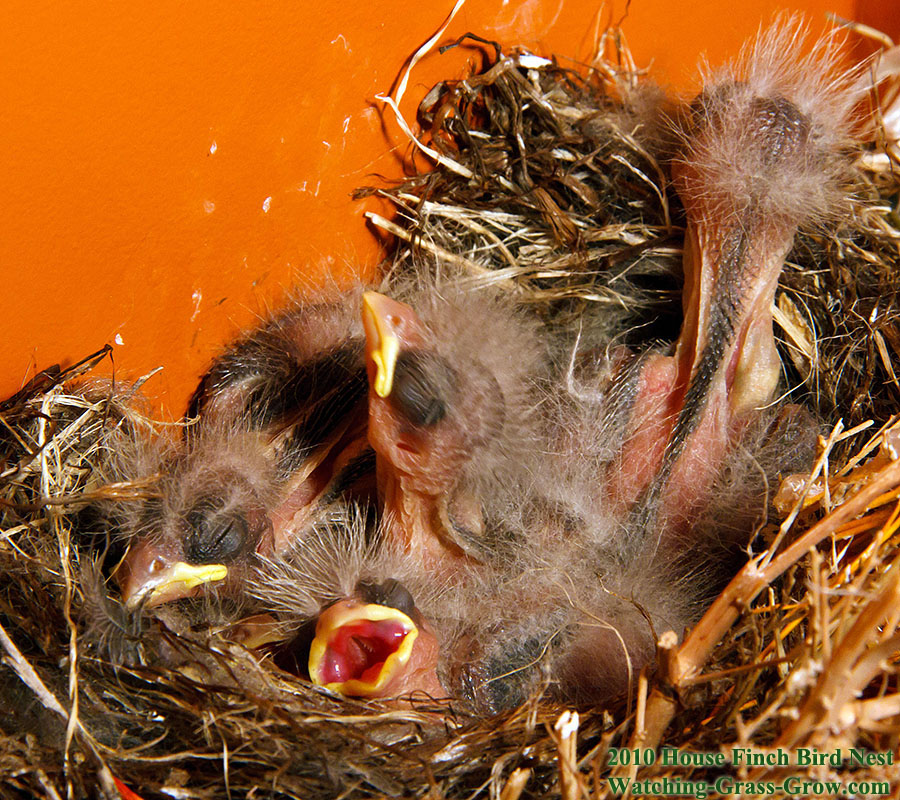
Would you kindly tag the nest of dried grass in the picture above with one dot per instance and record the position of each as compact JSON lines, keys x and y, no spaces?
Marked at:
{"x":547,"y":184}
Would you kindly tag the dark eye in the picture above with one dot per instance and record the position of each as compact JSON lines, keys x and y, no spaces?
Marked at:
{"x":422,"y":384}
{"x":390,"y":593}
{"x":215,"y":535}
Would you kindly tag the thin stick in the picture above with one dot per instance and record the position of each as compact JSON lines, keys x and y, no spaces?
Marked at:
{"x":566,"y":729}
{"x":515,"y":784}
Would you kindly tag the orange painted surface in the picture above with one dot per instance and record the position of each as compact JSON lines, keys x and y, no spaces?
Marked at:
{"x":170,"y":169}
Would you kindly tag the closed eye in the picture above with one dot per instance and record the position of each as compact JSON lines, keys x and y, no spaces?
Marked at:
{"x":215,"y":536}
{"x":423,"y":385}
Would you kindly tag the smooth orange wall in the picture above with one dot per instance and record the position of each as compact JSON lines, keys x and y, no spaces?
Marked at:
{"x":171,"y":169}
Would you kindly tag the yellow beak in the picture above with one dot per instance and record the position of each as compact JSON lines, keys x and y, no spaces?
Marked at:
{"x":382,"y":341}
{"x":173,"y":582}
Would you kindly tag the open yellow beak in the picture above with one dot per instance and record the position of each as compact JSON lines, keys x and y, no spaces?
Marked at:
{"x":383,"y":344}
{"x":172,"y":583}
{"x":359,"y":649}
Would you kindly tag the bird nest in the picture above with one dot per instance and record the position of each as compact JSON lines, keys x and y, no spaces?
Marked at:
{"x":548,"y":182}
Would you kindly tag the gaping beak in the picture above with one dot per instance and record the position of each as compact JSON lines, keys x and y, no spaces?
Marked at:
{"x":382,"y":319}
{"x":362,"y":650}
{"x":149,"y":579}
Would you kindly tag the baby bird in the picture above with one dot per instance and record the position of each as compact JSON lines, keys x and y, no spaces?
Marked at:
{"x":762,"y":153}
{"x":456,"y":388}
{"x":279,"y":435}
{"x":362,"y":618}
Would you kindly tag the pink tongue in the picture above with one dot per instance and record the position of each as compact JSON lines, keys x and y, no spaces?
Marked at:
{"x":359,"y":649}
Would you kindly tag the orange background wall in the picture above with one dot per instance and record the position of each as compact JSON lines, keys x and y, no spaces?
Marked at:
{"x":169,"y":169}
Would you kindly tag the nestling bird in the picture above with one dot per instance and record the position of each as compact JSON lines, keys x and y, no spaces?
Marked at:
{"x":373,"y":610}
{"x":279,"y":434}
{"x":762,"y":153}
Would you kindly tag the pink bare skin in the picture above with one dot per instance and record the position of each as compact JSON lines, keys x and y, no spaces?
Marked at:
{"x":417,"y":466}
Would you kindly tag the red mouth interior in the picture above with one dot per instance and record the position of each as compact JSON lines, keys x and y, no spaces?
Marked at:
{"x":359,"y":649}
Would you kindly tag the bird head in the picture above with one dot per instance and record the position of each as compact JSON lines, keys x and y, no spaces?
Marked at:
{"x":276,"y":433}
{"x":432,"y":404}
{"x":453,"y":415}
{"x":202,"y":528}
{"x":347,"y":593}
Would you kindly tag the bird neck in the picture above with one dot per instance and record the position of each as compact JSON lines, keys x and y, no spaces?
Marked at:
{"x":415,"y":519}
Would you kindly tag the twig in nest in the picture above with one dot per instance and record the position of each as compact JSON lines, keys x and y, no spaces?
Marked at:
{"x":747,"y":584}
{"x":858,"y":657}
